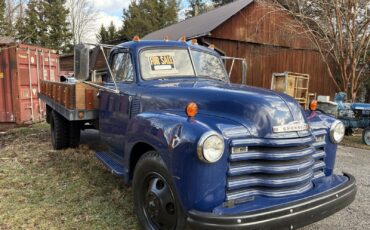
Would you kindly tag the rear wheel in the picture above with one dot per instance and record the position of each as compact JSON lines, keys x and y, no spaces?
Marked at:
{"x":74,"y":134}
{"x":366,"y":136}
{"x":155,"y":201}
{"x":59,"y":131}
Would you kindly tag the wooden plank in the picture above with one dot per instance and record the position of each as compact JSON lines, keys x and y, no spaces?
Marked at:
{"x":264,"y":25}
{"x":82,"y":97}
{"x":89,"y":99}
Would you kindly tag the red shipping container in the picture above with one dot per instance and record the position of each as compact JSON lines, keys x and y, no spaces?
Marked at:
{"x":22,"y":67}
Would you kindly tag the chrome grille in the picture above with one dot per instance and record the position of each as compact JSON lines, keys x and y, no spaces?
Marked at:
{"x":274,"y":168}
{"x":320,"y":154}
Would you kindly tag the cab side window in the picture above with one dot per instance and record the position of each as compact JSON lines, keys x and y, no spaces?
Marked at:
{"x":122,"y":68}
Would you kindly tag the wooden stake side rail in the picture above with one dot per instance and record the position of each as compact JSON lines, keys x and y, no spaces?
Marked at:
{"x":77,"y":101}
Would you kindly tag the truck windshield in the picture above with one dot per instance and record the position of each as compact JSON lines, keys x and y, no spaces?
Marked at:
{"x":167,"y":63}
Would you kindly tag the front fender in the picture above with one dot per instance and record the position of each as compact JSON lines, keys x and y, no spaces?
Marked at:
{"x":199,"y":185}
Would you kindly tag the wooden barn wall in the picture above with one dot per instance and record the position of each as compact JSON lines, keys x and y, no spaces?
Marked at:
{"x":99,"y":63}
{"x":66,"y":63}
{"x":263,"y":25}
{"x":263,"y":60}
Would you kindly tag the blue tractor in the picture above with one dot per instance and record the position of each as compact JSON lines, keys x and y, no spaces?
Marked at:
{"x":354,"y":115}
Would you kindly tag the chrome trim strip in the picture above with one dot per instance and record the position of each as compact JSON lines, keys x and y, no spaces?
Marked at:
{"x":273,"y":155}
{"x":267,"y":192}
{"x":273,"y":142}
{"x":271,"y":168}
{"x":270,"y":182}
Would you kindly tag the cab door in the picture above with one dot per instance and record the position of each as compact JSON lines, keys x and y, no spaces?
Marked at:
{"x":114,"y":113}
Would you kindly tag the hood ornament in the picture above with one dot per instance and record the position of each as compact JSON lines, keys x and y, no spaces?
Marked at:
{"x":294,"y":126}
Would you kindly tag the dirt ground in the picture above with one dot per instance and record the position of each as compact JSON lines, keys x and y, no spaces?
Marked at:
{"x":45,"y":189}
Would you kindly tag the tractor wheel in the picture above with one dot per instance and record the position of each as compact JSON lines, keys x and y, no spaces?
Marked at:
{"x":155,"y":200}
{"x":59,"y":131}
{"x":366,"y":136}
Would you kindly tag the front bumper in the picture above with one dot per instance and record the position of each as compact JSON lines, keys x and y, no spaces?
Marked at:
{"x":290,"y":216}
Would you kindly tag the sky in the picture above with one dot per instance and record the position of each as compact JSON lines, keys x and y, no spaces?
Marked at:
{"x":111,"y":10}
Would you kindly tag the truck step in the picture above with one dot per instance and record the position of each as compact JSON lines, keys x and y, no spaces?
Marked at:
{"x":112,"y":163}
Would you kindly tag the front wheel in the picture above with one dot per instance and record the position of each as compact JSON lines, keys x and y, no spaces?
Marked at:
{"x":155,"y":201}
{"x":366,"y":136}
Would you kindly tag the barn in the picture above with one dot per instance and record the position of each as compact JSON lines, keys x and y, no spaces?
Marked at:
{"x":251,"y":30}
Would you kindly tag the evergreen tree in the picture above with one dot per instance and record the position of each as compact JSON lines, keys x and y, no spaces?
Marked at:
{"x":45,"y":24}
{"x":145,"y":16}
{"x":6,"y":28}
{"x":58,"y":33}
{"x":32,"y":29}
{"x":221,"y":2}
{"x":2,"y":17}
{"x":102,"y":35}
{"x":112,"y":31}
{"x":107,"y":35}
{"x":196,"y":7}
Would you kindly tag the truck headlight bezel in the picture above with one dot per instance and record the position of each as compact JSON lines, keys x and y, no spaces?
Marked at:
{"x":337,"y":131}
{"x":207,"y":152}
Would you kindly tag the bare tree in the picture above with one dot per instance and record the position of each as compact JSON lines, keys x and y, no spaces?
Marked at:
{"x":81,"y":18}
{"x":339,"y":31}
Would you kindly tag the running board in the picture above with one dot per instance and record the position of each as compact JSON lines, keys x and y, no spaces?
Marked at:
{"x":112,"y":164}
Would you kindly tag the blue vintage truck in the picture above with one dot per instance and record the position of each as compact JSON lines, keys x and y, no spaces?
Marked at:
{"x":200,"y":152}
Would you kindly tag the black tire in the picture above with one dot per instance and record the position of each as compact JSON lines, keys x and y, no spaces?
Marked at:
{"x":155,"y":200}
{"x":366,"y":136}
{"x":74,"y":134}
{"x":59,"y":131}
{"x":48,"y":114}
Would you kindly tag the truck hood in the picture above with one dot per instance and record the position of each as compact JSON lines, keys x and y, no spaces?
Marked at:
{"x":257,"y":109}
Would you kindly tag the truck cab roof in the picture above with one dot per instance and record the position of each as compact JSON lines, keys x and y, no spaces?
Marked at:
{"x":136,"y":46}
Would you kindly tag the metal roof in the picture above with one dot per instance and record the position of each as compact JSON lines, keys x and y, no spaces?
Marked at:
{"x":6,"y":40}
{"x":200,"y":25}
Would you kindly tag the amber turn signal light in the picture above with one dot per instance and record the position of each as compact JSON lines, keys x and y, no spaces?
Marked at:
{"x":313,"y":105}
{"x":136,"y":38}
{"x":191,"y":109}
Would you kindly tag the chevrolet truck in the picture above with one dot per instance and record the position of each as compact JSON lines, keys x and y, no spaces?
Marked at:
{"x":199,"y":151}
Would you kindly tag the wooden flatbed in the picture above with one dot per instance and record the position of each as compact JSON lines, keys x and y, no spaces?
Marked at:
{"x":74,"y":101}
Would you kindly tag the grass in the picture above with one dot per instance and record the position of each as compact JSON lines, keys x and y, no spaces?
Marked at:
{"x":45,"y":189}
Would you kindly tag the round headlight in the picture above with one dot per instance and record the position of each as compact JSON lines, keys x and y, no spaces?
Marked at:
{"x":210,"y":147}
{"x":337,"y":131}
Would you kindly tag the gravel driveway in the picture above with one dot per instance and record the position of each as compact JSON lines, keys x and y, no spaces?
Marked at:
{"x":357,"y":215}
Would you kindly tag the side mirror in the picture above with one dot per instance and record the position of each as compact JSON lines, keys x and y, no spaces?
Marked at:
{"x":81,"y":62}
